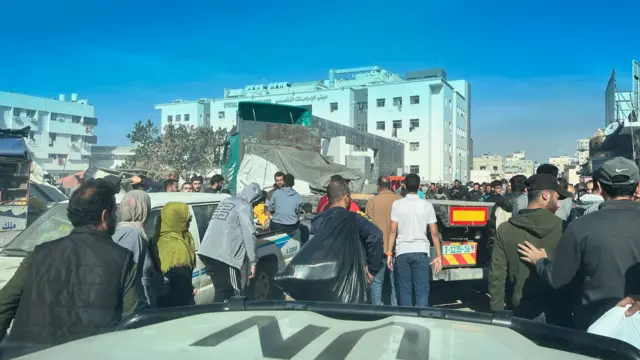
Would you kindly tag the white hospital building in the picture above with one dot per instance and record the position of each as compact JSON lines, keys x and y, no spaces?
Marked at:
{"x":61,"y":129}
{"x":428,"y":113}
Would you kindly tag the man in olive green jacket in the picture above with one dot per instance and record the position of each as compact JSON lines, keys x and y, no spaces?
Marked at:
{"x":531,"y":298}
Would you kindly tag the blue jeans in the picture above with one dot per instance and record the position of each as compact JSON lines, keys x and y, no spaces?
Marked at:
{"x":376,"y":286}
{"x":412,"y":274}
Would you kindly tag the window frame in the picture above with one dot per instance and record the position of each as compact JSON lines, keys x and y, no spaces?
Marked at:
{"x":195,"y":217}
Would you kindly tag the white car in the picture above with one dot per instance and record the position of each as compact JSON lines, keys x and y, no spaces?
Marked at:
{"x":274,"y":249}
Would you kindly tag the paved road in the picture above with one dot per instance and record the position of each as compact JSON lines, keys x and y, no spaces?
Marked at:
{"x":457,"y":295}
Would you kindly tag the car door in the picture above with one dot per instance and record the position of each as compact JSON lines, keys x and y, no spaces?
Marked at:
{"x":201,"y":214}
{"x":151,"y":227}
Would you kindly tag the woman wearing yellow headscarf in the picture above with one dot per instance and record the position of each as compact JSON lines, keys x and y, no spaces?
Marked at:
{"x":176,"y":253}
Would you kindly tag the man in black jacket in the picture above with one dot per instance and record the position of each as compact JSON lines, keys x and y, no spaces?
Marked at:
{"x":602,"y":247}
{"x":475,"y":194}
{"x":458,"y":192}
{"x":217,"y":181}
{"x":77,"y":286}
{"x":370,"y":234}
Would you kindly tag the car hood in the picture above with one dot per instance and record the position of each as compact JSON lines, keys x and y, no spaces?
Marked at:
{"x":305,"y":335}
{"x":8,"y":267}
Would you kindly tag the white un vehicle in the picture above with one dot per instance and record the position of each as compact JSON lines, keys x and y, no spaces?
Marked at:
{"x":274,"y":249}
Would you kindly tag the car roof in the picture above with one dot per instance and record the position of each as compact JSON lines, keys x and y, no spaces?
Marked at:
{"x":159,"y":199}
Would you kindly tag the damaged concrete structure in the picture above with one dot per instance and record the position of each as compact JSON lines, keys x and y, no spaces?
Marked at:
{"x":329,"y":139}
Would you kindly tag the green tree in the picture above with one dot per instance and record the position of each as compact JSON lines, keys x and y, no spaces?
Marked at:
{"x":208,"y":146}
{"x":187,"y":149}
{"x":146,"y":138}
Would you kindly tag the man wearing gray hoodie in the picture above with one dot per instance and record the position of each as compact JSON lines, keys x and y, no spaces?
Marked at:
{"x":284,"y":207}
{"x":229,"y":242}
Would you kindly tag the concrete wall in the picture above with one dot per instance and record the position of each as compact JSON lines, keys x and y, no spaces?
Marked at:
{"x":360,"y":163}
{"x":389,"y":154}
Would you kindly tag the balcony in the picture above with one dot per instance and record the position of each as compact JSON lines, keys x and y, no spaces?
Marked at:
{"x":70,"y":128}
{"x":90,"y":121}
{"x":82,"y":148}
{"x":24,"y":121}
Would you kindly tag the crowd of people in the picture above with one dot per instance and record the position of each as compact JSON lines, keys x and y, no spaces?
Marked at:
{"x":560,"y":254}
{"x":567,"y":254}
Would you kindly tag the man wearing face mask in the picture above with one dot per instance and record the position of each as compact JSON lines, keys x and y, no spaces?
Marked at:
{"x":80,"y":285}
{"x":537,"y":224}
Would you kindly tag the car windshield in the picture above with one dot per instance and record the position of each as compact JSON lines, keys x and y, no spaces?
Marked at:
{"x":52,"y":225}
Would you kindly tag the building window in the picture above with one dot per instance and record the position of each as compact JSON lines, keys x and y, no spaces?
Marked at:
{"x":32,"y":113}
{"x":52,"y":138}
{"x":333,"y":107}
{"x":414,"y":146}
{"x":169,"y":118}
{"x":397,"y":124}
{"x":414,"y":124}
{"x":380,"y":102}
{"x":362,"y":127}
{"x":178,"y":117}
{"x":414,"y":169}
{"x":75,"y":119}
{"x":380,"y":125}
{"x":360,"y":148}
{"x":483,"y":167}
{"x":220,"y":114}
{"x":186,"y":117}
{"x":415,"y":99}
{"x":75,"y":138}
{"x":362,"y":107}
{"x":397,"y":101}
{"x":16,"y":111}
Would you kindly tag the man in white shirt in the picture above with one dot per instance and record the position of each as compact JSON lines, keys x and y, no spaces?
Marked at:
{"x":410,"y":218}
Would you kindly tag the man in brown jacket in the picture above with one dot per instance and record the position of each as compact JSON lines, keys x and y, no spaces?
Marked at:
{"x":379,"y":211}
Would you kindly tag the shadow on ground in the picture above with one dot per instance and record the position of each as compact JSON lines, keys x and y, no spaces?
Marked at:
{"x":457,"y":295}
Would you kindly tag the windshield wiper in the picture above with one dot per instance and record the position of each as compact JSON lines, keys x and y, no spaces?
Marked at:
{"x":14,"y":252}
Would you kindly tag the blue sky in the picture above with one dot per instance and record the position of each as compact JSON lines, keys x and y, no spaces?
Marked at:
{"x":538,"y":71}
